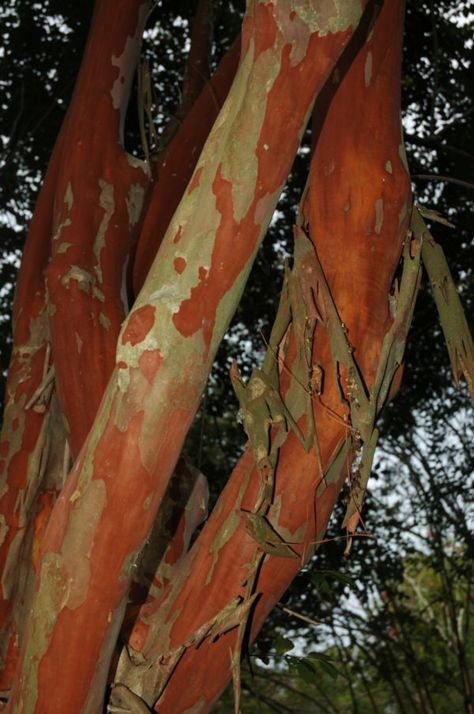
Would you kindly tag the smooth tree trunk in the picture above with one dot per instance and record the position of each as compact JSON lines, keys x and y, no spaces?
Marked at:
{"x":167,"y":343}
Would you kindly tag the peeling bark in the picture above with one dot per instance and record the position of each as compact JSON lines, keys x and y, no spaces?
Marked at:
{"x":64,"y":337}
{"x":99,"y":196}
{"x":358,"y":158}
{"x":177,"y":163}
{"x":26,"y":415}
{"x":165,"y":348}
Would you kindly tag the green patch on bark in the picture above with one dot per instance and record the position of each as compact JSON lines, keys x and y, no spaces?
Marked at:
{"x":77,"y":546}
{"x":50,"y":599}
{"x":240,"y":161}
{"x":328,"y":16}
{"x":134,"y":201}
{"x":69,"y":196}
{"x":107,"y":203}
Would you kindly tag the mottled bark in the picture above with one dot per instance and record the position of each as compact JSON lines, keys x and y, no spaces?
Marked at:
{"x":357,"y":210}
{"x":26,"y":415}
{"x":65,"y":330}
{"x":176,"y":164}
{"x":164,"y":350}
{"x":99,"y":195}
{"x":80,"y":237}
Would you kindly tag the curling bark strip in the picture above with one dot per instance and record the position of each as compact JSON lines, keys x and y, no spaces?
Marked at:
{"x":98,"y":200}
{"x":358,"y":240}
{"x":288,"y":50}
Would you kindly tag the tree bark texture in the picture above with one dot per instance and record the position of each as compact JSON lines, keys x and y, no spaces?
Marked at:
{"x":356,"y":210}
{"x":66,"y":325}
{"x":30,"y":475}
{"x":157,"y":365}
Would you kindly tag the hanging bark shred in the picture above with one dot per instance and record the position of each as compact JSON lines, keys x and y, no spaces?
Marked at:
{"x":165,"y":350}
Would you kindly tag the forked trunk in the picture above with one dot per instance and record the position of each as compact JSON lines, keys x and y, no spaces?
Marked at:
{"x":168,"y":341}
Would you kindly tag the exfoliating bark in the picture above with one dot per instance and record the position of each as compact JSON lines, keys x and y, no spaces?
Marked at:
{"x":99,"y":195}
{"x":81,"y":236}
{"x":356,"y":210}
{"x":27,"y":411}
{"x":31,"y":485}
{"x":65,"y":332}
{"x":164,"y":353}
{"x":176,"y":164}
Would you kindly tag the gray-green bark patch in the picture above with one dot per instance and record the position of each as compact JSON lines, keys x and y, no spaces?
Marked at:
{"x":328,"y":16}
{"x":107,"y":203}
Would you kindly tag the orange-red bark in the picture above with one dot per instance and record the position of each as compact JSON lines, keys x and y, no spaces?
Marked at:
{"x":98,"y":200}
{"x":175,"y":167}
{"x":89,"y":151}
{"x":357,"y":208}
{"x":90,"y":548}
{"x":357,"y":192}
{"x":23,"y":427}
{"x":60,"y":328}
{"x":89,"y":158}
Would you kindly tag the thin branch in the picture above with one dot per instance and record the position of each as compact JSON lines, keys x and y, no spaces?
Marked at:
{"x":270,"y":703}
{"x":304,"y":618}
{"x":280,"y":683}
{"x":435,"y":143}
{"x":444,"y":179}
{"x":435,"y":58}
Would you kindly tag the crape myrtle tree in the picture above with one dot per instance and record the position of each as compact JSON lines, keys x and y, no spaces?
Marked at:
{"x":131,"y":273}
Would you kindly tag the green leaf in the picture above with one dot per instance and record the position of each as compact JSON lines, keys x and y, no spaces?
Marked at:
{"x":303,"y":668}
{"x":325,"y":662}
{"x":281,"y":644}
{"x":329,"y":669}
{"x":291,"y":661}
{"x":321,"y":583}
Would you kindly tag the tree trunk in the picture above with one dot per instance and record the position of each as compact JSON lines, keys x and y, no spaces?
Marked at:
{"x":357,"y":207}
{"x":167,"y":343}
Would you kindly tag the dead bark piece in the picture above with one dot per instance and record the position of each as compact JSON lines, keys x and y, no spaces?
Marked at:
{"x":124,"y":700}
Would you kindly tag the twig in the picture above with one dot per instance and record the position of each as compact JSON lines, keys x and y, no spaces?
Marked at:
{"x":444,"y":179}
{"x":298,"y":615}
